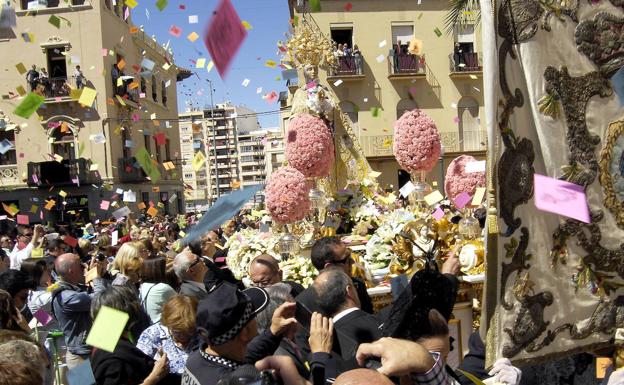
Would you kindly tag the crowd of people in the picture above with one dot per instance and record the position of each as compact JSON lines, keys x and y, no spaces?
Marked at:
{"x":191,"y":321}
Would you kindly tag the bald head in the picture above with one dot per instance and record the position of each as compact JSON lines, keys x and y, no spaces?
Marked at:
{"x":264,"y":271}
{"x":69,"y":268}
{"x":362,"y":376}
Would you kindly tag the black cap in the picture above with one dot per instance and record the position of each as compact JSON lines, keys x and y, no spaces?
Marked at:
{"x":226,"y":310}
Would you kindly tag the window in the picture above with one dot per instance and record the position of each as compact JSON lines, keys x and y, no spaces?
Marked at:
{"x":342,"y":35}
{"x":8,"y":157}
{"x":405,"y":105}
{"x":168,"y":150}
{"x":147,"y":142}
{"x":154,"y":89}
{"x":464,"y":56}
{"x":188,"y":176}
{"x":471,"y":137}
{"x":143,"y":85}
{"x":145,"y":198}
{"x":63,"y":142}
{"x":125,"y":136}
{"x":402,"y":34}
{"x":163,"y":93}
{"x":57,"y":66}
{"x":78,"y":2}
{"x":107,"y":3}
{"x":158,"y":153}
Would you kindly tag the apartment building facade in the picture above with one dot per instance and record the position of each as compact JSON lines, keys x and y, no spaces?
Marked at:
{"x":444,"y":79}
{"x":83,"y":158}
{"x":215,"y":133}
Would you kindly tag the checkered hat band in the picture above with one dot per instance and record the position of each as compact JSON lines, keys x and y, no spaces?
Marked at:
{"x":233,"y":332}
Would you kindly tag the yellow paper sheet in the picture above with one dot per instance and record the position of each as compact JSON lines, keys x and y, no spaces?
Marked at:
{"x":434,"y":198}
{"x":87,"y":97}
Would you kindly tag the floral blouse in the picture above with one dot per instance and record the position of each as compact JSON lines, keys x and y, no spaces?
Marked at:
{"x":157,"y":336}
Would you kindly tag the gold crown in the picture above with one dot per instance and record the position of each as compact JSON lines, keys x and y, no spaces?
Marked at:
{"x":308,"y":47}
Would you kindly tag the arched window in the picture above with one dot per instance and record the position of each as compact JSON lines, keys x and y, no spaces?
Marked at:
{"x":405,"y":105}
{"x":64,"y":142}
{"x":471,"y":137}
{"x":163,"y":92}
{"x":350,"y":110}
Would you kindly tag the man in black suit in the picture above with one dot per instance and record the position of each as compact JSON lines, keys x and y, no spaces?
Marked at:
{"x":332,"y":252}
{"x":215,"y":275}
{"x":337,"y":298}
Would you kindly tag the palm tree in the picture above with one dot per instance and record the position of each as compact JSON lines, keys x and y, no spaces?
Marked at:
{"x":461,"y":13}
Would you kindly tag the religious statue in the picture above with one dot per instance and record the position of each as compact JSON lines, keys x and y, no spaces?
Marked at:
{"x":310,"y":50}
{"x":413,"y":247}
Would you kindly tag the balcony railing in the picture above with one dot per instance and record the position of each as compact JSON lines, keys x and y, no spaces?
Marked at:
{"x":52,"y":88}
{"x":465,"y":62}
{"x":9,"y":175}
{"x":408,"y":64}
{"x":348,"y":66}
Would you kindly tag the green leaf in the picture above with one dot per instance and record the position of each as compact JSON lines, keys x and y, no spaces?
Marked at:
{"x":471,"y":377}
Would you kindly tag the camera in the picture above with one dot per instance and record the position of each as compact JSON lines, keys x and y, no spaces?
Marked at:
{"x":100,"y":256}
{"x":249,"y":375}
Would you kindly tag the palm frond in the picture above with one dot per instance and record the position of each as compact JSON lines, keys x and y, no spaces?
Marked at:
{"x":461,"y":12}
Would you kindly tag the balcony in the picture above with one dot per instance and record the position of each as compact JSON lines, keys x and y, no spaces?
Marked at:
{"x":56,"y":89}
{"x":408,"y":66}
{"x":130,"y":171}
{"x":64,"y":173}
{"x":9,"y":175}
{"x":465,"y":65}
{"x":349,"y":68}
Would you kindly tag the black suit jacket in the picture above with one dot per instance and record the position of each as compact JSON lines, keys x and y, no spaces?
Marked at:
{"x":216,"y":275}
{"x":353,"y":329}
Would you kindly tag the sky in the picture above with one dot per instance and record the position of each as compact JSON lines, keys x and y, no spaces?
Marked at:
{"x":269,"y":20}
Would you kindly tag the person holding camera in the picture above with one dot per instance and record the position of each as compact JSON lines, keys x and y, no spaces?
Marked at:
{"x":71,"y":304}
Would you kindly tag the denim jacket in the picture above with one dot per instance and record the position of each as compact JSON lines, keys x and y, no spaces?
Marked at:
{"x":72,"y":305}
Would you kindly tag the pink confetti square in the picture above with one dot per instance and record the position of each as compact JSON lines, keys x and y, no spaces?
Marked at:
{"x":21,"y":155}
{"x":22,"y":219}
{"x":135,"y":117}
{"x":462,"y":200}
{"x":104,"y":205}
{"x":561,"y":197}
{"x":438,"y":214}
{"x":175,"y":31}
{"x":272,"y":97}
{"x":225,"y":36}
{"x":104,"y":52}
{"x":456,"y":120}
{"x":43,"y":317}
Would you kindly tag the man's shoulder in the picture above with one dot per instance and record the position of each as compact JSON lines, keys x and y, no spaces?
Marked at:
{"x":199,"y":371}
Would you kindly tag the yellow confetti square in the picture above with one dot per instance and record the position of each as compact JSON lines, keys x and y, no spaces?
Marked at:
{"x":246,"y":25}
{"x":209,"y":66}
{"x":270,"y":63}
{"x":192,"y":37}
{"x":131,"y":3}
{"x":63,"y":193}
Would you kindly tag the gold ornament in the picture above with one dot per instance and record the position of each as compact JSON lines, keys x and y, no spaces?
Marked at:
{"x":308,"y":47}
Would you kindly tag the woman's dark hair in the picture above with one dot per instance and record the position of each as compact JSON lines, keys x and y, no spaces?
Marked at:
{"x":171,"y":279}
{"x":122,"y":298}
{"x":154,"y":270}
{"x":34,"y":267}
{"x":8,"y":312}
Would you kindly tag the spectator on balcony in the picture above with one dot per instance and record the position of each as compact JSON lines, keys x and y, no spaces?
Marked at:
{"x":347,"y":50}
{"x":80,"y":79}
{"x":32,"y":77}
{"x":458,"y":56}
{"x":340,"y":51}
{"x":357,"y":55}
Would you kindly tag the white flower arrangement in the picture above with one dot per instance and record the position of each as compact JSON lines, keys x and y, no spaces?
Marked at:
{"x":379,"y":252}
{"x":300,"y":270}
{"x":246,"y":244}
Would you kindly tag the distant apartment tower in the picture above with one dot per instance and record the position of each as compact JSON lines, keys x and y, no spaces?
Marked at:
{"x":213,"y":132}
{"x":69,"y":162}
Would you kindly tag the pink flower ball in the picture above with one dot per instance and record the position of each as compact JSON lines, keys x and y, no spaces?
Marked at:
{"x":416,"y":141}
{"x":310,"y":146}
{"x":457,"y":180}
{"x":287,"y":195}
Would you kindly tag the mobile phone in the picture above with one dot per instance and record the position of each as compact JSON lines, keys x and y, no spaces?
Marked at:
{"x":303,"y":315}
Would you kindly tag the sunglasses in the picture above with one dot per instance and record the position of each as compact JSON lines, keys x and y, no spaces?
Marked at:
{"x":197,"y":260}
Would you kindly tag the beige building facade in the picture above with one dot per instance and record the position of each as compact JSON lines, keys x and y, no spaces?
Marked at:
{"x":376,"y":88}
{"x":84,"y":156}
